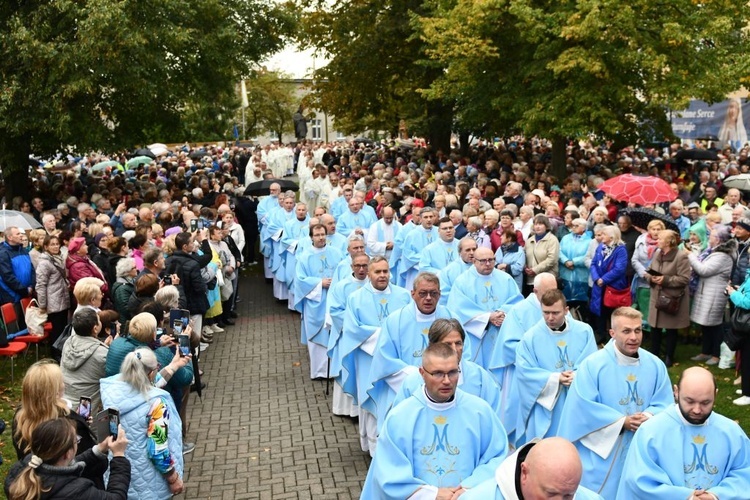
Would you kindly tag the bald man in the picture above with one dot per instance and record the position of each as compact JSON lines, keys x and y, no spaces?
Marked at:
{"x":688,"y":451}
{"x":539,"y":470}
{"x":383,"y":233}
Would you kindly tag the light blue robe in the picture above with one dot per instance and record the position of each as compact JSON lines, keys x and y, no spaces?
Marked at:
{"x":394,"y":263}
{"x":416,"y":241}
{"x":276,"y":221}
{"x":575,"y":281}
{"x":438,"y":255}
{"x":442,"y":445}
{"x":448,"y":275}
{"x":473,"y":380}
{"x":671,"y":458}
{"x":339,"y":205}
{"x":343,"y":269}
{"x":265,"y":207}
{"x":606,"y":389}
{"x":337,"y":296}
{"x":398,"y":353}
{"x":314,"y":265}
{"x":540,"y":358}
{"x":366,"y":311}
{"x":472,"y":299}
{"x":349,"y":221}
{"x":516,"y":263}
{"x":338,"y":242}
{"x":294,"y":231}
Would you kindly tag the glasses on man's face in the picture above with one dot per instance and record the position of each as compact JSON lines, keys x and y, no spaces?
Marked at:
{"x":360,"y":266}
{"x":439,"y":376}
{"x":484,"y":262}
{"x":423,"y":294}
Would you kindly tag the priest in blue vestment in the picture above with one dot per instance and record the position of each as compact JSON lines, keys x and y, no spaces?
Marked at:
{"x":398,"y":245}
{"x":465,"y":261}
{"x":295,"y":229}
{"x":440,"y":441}
{"x":314,"y":271}
{"x":688,"y":450}
{"x":521,"y":317}
{"x":540,"y":469}
{"x":382,"y":235}
{"x":265,"y":207}
{"x":416,"y":241}
{"x":341,"y":203}
{"x":354,"y":219}
{"x":546,"y":362}
{"x":439,"y":254}
{"x":615,"y":390}
{"x":343,"y":401}
{"x":355,"y":246}
{"x":480,"y":299}
{"x":402,"y":340}
{"x":366,"y":311}
{"x":334,"y":239}
{"x":276,"y":220}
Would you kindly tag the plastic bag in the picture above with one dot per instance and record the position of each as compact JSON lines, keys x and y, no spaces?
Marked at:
{"x":35,"y":319}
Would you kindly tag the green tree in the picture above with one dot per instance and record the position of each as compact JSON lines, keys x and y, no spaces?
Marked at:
{"x":377,"y":67}
{"x":572,"y":68}
{"x":104,"y":74}
{"x":271,"y":103}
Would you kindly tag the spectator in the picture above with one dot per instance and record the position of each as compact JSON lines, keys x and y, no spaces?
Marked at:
{"x":53,"y":468}
{"x":36,"y":239}
{"x":88,"y":293}
{"x":80,"y":266}
{"x":187,"y":266}
{"x":17,"y":276}
{"x":510,"y":257}
{"x":607,"y":270}
{"x":542,"y":251}
{"x":645,"y":247}
{"x":124,"y":287}
{"x":573,"y":270}
{"x":52,"y":291}
{"x":145,"y":289}
{"x":151,"y":421}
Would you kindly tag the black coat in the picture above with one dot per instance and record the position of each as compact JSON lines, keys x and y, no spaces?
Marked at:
{"x":188,"y":268}
{"x":68,"y":483}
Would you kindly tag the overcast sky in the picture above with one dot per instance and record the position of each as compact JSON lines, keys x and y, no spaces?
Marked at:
{"x":296,"y":63}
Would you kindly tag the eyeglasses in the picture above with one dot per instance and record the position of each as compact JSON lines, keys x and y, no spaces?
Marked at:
{"x":484,"y":261}
{"x":435,"y":294}
{"x":439,"y":376}
{"x":360,"y":265}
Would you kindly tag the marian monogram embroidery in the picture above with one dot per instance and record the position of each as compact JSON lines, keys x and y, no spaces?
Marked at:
{"x":324,"y":264}
{"x":563,"y":358}
{"x":489,"y":296}
{"x":632,"y":396}
{"x":382,"y":309}
{"x":440,"y":439}
{"x":418,"y":352}
{"x":700,"y":459}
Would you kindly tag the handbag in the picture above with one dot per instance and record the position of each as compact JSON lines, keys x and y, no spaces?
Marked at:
{"x":64,"y":336}
{"x":614,"y":298}
{"x":668,"y":303}
{"x":736,"y":336}
{"x":35,"y":319}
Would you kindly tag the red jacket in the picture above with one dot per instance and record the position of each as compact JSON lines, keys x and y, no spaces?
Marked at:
{"x":81,"y":267}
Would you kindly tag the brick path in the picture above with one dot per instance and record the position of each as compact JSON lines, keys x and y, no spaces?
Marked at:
{"x":264,"y":430}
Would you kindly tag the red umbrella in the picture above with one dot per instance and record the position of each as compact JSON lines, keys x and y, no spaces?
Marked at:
{"x":638,"y":189}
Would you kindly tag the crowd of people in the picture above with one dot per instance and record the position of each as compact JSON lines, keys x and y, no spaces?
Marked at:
{"x":432,"y":289}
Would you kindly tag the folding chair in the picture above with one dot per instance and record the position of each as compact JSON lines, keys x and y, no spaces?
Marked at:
{"x":13,"y":350}
{"x":26,"y":338}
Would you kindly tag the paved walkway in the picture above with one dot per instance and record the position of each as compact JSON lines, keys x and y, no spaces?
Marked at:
{"x":263,"y":429}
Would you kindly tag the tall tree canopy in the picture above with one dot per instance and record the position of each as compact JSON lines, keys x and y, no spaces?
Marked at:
{"x":103,"y":74}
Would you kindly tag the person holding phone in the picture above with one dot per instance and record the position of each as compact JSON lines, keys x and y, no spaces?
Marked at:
{"x":148,"y":415}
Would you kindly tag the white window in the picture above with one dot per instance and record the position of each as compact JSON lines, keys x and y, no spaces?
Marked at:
{"x":317,"y":130}
{"x":340,"y":136}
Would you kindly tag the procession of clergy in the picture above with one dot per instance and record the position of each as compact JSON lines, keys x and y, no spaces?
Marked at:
{"x":464,"y":388}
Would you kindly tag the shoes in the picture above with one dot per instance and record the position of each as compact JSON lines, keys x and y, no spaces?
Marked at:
{"x":742,"y":401}
{"x":228,"y":322}
{"x":668,"y":361}
{"x":206,"y":339}
{"x":712,"y":362}
{"x":216,"y":328}
{"x":194,"y":388}
{"x":738,"y":391}
{"x":737,"y":381}
{"x":203,"y":346}
{"x":187,"y":448}
{"x":233,"y":314}
{"x":253,"y":263}
{"x":207,"y":332}
{"x":701,"y":357}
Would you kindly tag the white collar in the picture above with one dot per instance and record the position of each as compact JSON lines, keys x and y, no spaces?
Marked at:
{"x":438,"y":406}
{"x":685,"y":422}
{"x":624,"y":360}
{"x":425,"y":317}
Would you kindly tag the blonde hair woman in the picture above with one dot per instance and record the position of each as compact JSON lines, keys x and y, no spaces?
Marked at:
{"x":88,"y":293}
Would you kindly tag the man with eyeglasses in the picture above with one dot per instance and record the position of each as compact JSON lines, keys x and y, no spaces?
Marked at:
{"x":466,"y":249}
{"x":343,"y":402}
{"x":402,"y":340}
{"x":295,"y":229}
{"x":480,"y":299}
{"x":314,"y":271}
{"x":414,"y":244}
{"x":354,"y":219}
{"x":366,"y":311}
{"x":520,"y":318}
{"x":438,"y":442}
{"x":439,"y":254}
{"x":355,"y":246}
{"x":546,"y":362}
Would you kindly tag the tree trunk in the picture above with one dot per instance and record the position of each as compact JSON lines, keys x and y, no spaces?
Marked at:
{"x":439,"y":123}
{"x":463,"y":138}
{"x":14,"y":160}
{"x":559,"y":169}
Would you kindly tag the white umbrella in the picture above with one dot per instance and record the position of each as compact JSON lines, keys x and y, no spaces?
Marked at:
{"x":740,"y":181}
{"x":159,"y":149}
{"x":14,"y":218}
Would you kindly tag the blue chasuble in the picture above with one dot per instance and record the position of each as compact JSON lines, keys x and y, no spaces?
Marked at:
{"x":349,"y":221}
{"x":339,"y":205}
{"x":276,"y":221}
{"x":294,"y":231}
{"x":343,"y":269}
{"x":314,"y":265}
{"x":671,"y":458}
{"x":416,"y":241}
{"x":472,"y":299}
{"x":438,"y":255}
{"x":336,"y":306}
{"x":265,"y":236}
{"x":448,"y":275}
{"x":366,"y":311}
{"x":398,"y":353}
{"x":394,"y":263}
{"x":541,"y":356}
{"x":439,"y":444}
{"x":338,"y":242}
{"x":609,"y":386}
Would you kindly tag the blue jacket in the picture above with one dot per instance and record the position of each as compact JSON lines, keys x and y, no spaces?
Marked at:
{"x":611,"y":271}
{"x":16,"y":273}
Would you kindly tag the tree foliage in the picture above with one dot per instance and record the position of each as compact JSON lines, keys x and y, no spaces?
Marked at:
{"x":271,"y":101}
{"x":102,"y":74}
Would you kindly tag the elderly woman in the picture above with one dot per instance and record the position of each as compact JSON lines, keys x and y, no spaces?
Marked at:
{"x":645,"y":246}
{"x":712,"y":270}
{"x":151,"y":421}
{"x":145,"y":289}
{"x":511,"y":257}
{"x":475,"y":231}
{"x":669,"y":279}
{"x":599,"y":215}
{"x":124,"y":287}
{"x":80,"y":266}
{"x":52,"y":288}
{"x":607,"y":270}
{"x":36,"y":238}
{"x":542,"y":251}
{"x":573,"y":270}
{"x":88,"y":293}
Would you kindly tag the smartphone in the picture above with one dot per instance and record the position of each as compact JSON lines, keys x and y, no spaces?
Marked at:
{"x":106,"y":423}
{"x":126,"y":199}
{"x":654,"y":273}
{"x":84,"y":407}
{"x":193,"y":225}
{"x":178,"y":321}
{"x":167,"y":280}
{"x":184,"y":344}
{"x":159,"y":332}
{"x":113,"y":328}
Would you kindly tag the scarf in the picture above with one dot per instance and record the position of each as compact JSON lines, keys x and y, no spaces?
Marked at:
{"x":509,"y":248}
{"x":650,"y":245}
{"x":693,"y":284}
{"x":607,"y":251}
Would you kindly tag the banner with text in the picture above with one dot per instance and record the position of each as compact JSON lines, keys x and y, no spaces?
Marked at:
{"x":721,"y":122}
